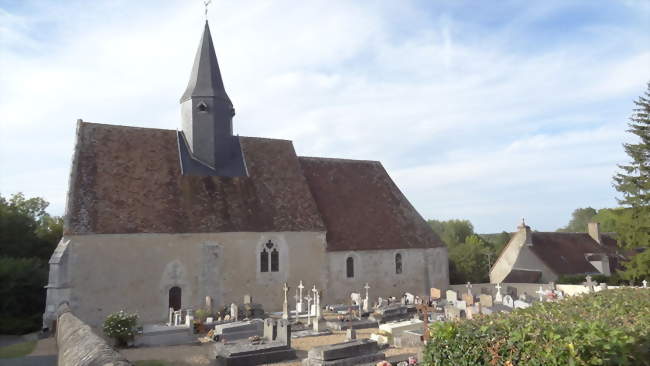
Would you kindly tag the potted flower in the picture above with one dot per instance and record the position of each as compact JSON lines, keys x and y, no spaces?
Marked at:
{"x":121,"y":326}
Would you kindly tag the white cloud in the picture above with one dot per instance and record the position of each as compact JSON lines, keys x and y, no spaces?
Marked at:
{"x":470,"y":125}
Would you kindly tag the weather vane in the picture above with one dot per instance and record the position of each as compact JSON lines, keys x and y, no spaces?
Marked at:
{"x":206,"y":3}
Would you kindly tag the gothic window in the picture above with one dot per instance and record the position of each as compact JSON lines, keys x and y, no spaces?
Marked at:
{"x":175,"y":298}
{"x":275,"y":260}
{"x":349,"y":266}
{"x":264,"y":261}
{"x":269,"y":250}
{"x":398,"y":263}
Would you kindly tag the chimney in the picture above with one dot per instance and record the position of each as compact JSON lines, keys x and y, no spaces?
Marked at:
{"x":593,"y":228}
{"x":525,"y":230}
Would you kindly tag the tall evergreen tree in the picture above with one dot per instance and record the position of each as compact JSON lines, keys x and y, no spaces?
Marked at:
{"x":633,"y":182}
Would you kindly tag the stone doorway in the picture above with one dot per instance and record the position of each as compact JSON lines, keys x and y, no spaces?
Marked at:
{"x":175,"y":298}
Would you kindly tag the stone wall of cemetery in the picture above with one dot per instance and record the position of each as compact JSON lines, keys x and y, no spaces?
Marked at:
{"x":78,"y":345}
{"x":134,"y":272}
{"x":528,"y":288}
{"x":421,"y":270}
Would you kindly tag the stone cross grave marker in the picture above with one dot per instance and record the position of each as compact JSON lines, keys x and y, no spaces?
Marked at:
{"x":308,"y":298}
{"x":540,"y":292}
{"x":234,"y":312}
{"x":171,"y":317}
{"x":485,"y":300}
{"x":435,"y":293}
{"x":508,"y":301}
{"x":285,"y":305}
{"x":645,"y":283}
{"x":498,"y":297}
{"x":299,"y":307}
{"x":469,"y":287}
{"x":590,"y":284}
{"x":367,"y":299}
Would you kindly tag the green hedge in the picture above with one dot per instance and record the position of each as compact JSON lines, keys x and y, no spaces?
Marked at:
{"x":610,"y":327}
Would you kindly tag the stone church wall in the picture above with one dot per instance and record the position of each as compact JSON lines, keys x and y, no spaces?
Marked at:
{"x":421,"y":270}
{"x":134,"y":272}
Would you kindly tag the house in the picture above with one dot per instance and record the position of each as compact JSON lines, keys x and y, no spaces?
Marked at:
{"x":540,"y":257}
{"x":158,"y":219}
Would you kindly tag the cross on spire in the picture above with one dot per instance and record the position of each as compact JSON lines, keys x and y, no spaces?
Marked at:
{"x":206,"y":3}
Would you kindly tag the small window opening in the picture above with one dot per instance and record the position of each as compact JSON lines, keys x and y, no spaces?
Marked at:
{"x":398,"y":263}
{"x":275,"y":260}
{"x":202,"y":107}
{"x":349,"y":264}
{"x":264,"y":261}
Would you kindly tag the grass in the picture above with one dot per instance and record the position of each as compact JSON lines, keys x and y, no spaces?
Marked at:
{"x":17,"y":350}
{"x":152,"y":363}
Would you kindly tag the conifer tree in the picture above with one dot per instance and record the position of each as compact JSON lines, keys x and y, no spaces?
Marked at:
{"x":633,"y":182}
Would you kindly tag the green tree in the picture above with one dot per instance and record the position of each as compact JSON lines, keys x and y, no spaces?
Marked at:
{"x":579,"y":220}
{"x":633,"y":181}
{"x":22,"y":296}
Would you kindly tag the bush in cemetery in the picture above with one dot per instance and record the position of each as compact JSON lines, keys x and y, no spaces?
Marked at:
{"x":604,"y":328}
{"x":121,"y":326}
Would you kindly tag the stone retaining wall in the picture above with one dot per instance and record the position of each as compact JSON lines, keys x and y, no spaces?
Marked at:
{"x":79,"y":346}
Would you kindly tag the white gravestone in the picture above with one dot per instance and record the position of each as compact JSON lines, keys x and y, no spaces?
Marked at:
{"x":410,"y":298}
{"x":461,"y":305}
{"x":508,"y":301}
{"x":452,"y":296}
{"x":498,"y":297}
{"x":299,"y":307}
{"x":234,"y":311}
{"x":285,"y":304}
{"x":541,"y":293}
{"x":367,"y":299}
{"x":520,"y":304}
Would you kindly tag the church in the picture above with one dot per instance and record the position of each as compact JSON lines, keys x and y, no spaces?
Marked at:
{"x":160,"y":218}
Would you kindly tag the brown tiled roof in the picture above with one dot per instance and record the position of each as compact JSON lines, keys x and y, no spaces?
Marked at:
{"x":363,"y":208}
{"x":523,"y":276}
{"x":564,"y":253}
{"x":128,"y":180}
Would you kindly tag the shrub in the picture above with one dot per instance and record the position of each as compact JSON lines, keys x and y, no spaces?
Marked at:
{"x":22,"y":294}
{"x":121,"y":326}
{"x":604,"y":328}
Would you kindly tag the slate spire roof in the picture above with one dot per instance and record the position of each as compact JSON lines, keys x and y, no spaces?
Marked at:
{"x":205,"y":79}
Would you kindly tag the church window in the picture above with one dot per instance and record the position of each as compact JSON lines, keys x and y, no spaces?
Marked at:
{"x":264,"y":261}
{"x":175,"y":298}
{"x":275,"y":260}
{"x":349,"y":266}
{"x":398,"y":263}
{"x":202,"y":107}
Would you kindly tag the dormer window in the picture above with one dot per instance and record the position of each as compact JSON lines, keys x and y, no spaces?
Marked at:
{"x":202,"y":107}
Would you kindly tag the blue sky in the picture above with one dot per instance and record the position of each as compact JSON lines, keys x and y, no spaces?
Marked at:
{"x":483,"y":110}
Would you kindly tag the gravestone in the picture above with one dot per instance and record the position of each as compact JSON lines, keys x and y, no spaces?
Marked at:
{"x":350,"y":334}
{"x":461,"y":304}
{"x":208,"y":304}
{"x":410,"y":298}
{"x":234,"y":312}
{"x":283,"y":333}
{"x":498,"y":298}
{"x":468,"y":298}
{"x":590,"y":284}
{"x":355,"y":352}
{"x":435,"y":293}
{"x":452,"y":296}
{"x":485,"y":300}
{"x":355,"y":298}
{"x":452,"y":312}
{"x":512,"y":291}
{"x":248,"y":299}
{"x":508,"y":301}
{"x":520,"y":304}
{"x":239,"y":330}
{"x":270,"y":329}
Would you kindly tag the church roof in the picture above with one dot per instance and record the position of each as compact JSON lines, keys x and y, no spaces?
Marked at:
{"x":565,"y":253}
{"x":128,"y":180}
{"x":363,"y":208}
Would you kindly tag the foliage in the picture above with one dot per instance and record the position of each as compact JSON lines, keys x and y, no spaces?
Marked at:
{"x":22,"y":296}
{"x":28,"y":236}
{"x":633,"y":182}
{"x":17,"y":350}
{"x":121,"y":326}
{"x":638,"y":268}
{"x":613,"y":280}
{"x":593,"y":329}
{"x":201,"y":315}
{"x":579,"y":220}
{"x":470,"y":255}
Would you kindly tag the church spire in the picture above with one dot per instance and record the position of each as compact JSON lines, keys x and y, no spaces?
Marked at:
{"x":205,"y":79}
{"x":206,"y":143}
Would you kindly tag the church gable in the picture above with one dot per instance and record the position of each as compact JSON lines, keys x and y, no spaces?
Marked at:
{"x":362,"y":208}
{"x":128,"y":180}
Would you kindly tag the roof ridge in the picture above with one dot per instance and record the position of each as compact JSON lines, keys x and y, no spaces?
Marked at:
{"x":340,"y":159}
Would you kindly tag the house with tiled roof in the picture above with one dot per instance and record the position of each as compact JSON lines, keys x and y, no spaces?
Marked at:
{"x":158,"y":219}
{"x":540,"y":257}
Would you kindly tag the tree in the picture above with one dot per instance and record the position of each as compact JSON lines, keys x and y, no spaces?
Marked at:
{"x":579,"y":220}
{"x":633,"y":182}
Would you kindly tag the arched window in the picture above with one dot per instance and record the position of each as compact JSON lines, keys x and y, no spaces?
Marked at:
{"x":175,"y":298}
{"x":398,"y":263}
{"x":264,"y":261}
{"x":349,"y":266}
{"x":275,"y":260}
